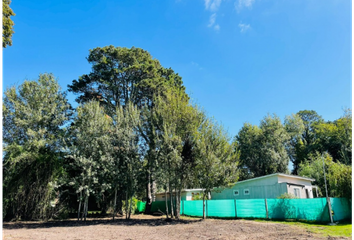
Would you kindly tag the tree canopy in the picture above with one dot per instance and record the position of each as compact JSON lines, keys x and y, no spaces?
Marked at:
{"x":7,"y":23}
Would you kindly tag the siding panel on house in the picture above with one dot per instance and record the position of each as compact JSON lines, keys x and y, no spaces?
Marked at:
{"x":271,"y":186}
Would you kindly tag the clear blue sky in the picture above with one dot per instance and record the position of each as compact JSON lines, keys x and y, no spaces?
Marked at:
{"x":239,"y":59}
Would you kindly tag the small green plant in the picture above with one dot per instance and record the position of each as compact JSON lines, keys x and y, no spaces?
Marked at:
{"x":287,"y":196}
{"x":134,"y":205}
{"x":198,"y":196}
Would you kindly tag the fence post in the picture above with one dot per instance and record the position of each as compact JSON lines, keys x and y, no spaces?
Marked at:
{"x":235,"y":209}
{"x":182,"y":207}
{"x":206,"y":208}
{"x":266,"y":207}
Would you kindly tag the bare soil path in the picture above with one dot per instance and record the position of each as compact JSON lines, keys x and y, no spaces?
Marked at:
{"x":150,"y":227}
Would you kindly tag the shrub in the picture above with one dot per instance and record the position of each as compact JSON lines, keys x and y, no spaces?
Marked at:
{"x":287,"y":196}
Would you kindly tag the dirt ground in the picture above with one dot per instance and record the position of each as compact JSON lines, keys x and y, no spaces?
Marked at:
{"x":150,"y":227}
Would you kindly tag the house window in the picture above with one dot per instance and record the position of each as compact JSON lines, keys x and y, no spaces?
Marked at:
{"x":246,"y":192}
{"x":236,"y":192}
{"x":297,"y":192}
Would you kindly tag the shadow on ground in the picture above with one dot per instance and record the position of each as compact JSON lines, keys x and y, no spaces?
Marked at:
{"x":92,"y":222}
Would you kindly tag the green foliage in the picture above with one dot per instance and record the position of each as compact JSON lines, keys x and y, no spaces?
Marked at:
{"x":129,"y":75}
{"x":287,"y":196}
{"x":303,"y":145}
{"x":33,"y":116}
{"x":89,"y":152}
{"x":216,"y":161}
{"x":7,"y":23}
{"x":122,"y":75}
{"x":338,"y":175}
{"x":336,"y":138}
{"x":177,"y":120}
{"x":263,"y":149}
{"x":133,"y":204}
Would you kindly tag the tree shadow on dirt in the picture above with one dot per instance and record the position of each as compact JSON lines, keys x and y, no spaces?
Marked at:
{"x":92,"y":222}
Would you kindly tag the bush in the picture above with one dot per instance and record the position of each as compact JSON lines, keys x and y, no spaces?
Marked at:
{"x":287,"y":196}
{"x":134,"y":205}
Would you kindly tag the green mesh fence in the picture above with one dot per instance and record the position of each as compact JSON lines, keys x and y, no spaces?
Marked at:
{"x":341,"y":209}
{"x":251,"y":208}
{"x":160,"y":206}
{"x":314,"y":209}
{"x":141,"y":206}
{"x":220,"y":208}
{"x":193,"y":208}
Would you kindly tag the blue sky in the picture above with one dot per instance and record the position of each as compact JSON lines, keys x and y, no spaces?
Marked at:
{"x":239,"y":59}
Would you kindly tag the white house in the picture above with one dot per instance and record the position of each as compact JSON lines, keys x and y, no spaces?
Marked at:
{"x":269,"y":186}
{"x":186,"y":194}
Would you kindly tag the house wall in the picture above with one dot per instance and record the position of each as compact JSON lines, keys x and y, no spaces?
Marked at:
{"x":291,"y":189}
{"x":268,"y":187}
{"x":260,"y":191}
{"x":161,"y":196}
{"x":294,"y":180}
{"x":302,"y":190}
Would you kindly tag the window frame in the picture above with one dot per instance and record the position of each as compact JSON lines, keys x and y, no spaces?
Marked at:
{"x":297,"y":188}
{"x":244,"y":191}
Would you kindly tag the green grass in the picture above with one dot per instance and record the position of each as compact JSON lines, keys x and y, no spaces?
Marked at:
{"x":339,"y":230}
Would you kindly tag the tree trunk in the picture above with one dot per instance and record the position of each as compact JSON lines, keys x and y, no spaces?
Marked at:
{"x":130,"y":205}
{"x":78,"y":211}
{"x":175,"y":203}
{"x":171,"y":197}
{"x":204,"y":216}
{"x":126,"y":205}
{"x":120,"y":202}
{"x":148,"y":193}
{"x":86,"y":208}
{"x":115,"y":204}
{"x":166,"y":202}
{"x":178,"y":204}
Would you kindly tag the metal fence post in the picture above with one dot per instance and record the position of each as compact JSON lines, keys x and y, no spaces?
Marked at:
{"x":206,"y":208}
{"x":235,"y":209}
{"x":266,"y":207}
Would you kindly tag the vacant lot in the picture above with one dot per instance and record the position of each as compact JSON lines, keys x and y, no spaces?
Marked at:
{"x":149,"y":227}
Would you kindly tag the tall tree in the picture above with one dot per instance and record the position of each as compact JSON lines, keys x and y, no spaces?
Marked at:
{"x":33,"y":117}
{"x":336,"y":138}
{"x":216,"y":164}
{"x":295,"y":127}
{"x":7,"y":23}
{"x":127,"y":162}
{"x":90,"y":152}
{"x":177,"y":121}
{"x":263,"y":149}
{"x":122,"y":75}
{"x":338,"y":175}
{"x":304,"y":145}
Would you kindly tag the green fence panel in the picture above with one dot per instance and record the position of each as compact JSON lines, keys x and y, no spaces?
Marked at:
{"x":141,"y":206}
{"x":251,"y":208}
{"x":160,"y":206}
{"x":221,"y":208}
{"x":313,"y":209}
{"x":193,"y":208}
{"x":341,"y":209}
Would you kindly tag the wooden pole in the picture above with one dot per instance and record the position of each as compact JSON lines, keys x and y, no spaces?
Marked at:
{"x":266,"y":207}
